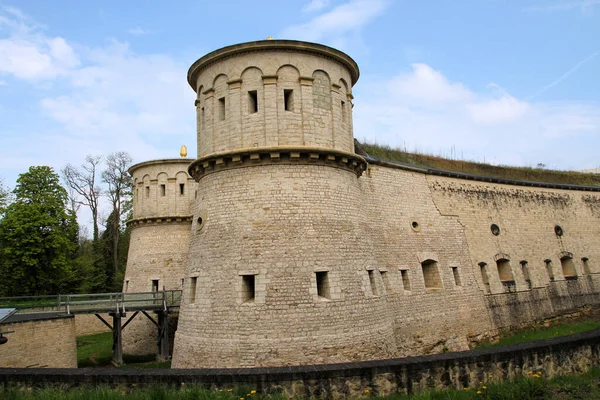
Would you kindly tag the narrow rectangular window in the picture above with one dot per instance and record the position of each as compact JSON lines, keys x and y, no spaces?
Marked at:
{"x":288,"y":99}
{"x":586,"y":265}
{"x":248,"y":288}
{"x":155,"y":285}
{"x":193,"y":283}
{"x":549,"y":269}
{"x":252,"y":101}
{"x":405,"y":279}
{"x":526,"y":276}
{"x":221,"y":109}
{"x":343,"y":111}
{"x":457,"y":281}
{"x":163,"y":190}
{"x":372,"y":283}
{"x":386,"y":282}
{"x":323,"y":284}
{"x":147,"y":191}
{"x":126,"y":285}
{"x":182,"y":282}
{"x":484,"y":276}
{"x":202,"y":115}
{"x":182,"y":189}
{"x":137,"y":194}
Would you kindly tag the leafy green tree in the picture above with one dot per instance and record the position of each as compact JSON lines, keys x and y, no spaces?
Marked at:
{"x":38,"y":237}
{"x":4,"y":197}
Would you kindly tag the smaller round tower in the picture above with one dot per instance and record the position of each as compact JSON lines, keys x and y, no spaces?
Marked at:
{"x":163,"y":196}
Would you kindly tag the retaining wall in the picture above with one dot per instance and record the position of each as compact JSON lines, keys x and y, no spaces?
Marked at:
{"x":559,"y":356}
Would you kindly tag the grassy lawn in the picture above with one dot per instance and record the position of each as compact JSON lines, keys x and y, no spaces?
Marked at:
{"x":96,"y":351}
{"x":533,"y":386}
{"x":542,"y":333}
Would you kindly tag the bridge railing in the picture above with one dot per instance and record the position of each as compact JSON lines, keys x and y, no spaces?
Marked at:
{"x":91,"y":303}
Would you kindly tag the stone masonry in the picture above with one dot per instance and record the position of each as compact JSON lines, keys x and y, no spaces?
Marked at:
{"x":41,"y":342}
{"x":295,"y":250}
{"x":158,"y":249}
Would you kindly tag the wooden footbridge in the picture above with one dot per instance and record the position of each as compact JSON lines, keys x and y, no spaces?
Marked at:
{"x":117,"y":305}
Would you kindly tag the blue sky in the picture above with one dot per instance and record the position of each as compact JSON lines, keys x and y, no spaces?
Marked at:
{"x":502,"y":81}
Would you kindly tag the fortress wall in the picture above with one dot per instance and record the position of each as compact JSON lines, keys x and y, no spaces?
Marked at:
{"x":281,"y":224}
{"x":41,"y":343}
{"x":527,"y":217}
{"x":157,"y":251}
{"x":426,"y":320}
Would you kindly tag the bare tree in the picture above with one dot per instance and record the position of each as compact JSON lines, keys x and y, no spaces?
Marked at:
{"x":119,"y":193}
{"x":82,"y":185}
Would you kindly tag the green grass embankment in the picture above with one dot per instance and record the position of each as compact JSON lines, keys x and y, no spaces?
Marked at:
{"x":549,"y":332}
{"x":482,"y":169}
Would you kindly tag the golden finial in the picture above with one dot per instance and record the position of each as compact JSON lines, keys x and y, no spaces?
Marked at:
{"x":183,"y":151}
{"x":270,"y":38}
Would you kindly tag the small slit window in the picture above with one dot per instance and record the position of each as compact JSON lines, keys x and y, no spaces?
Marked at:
{"x":126,"y":285}
{"x":221,"y":109}
{"x":586,"y":265}
{"x":343,"y":105}
{"x":405,"y":279}
{"x":252,"y":102}
{"x":288,"y":99}
{"x":193,"y":283}
{"x":323,"y":289}
{"x":372,"y":283}
{"x":163,"y":190}
{"x":549,"y":269}
{"x":431,"y":274}
{"x":248,"y":288}
{"x":484,"y":276}
{"x":182,"y":189}
{"x":526,"y":275}
{"x":386,"y":282}
{"x":155,"y":283}
{"x":147,"y":191}
{"x":456,"y":275}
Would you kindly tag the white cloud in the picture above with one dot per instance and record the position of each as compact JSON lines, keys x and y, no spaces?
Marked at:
{"x":425,"y":111}
{"x":338,"y":22}
{"x":28,"y":54}
{"x":137,"y":31}
{"x":316,"y":5}
{"x":428,"y":85}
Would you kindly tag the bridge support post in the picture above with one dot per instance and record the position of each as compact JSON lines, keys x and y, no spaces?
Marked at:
{"x":117,"y":339}
{"x":163,"y":336}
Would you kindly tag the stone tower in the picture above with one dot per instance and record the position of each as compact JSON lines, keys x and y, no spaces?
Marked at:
{"x":277,"y":270}
{"x":163,"y":194}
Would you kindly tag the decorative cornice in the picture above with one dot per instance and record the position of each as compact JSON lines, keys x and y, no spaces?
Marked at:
{"x":163,"y":161}
{"x":177,"y":219}
{"x":273,"y":45}
{"x":279,"y":155}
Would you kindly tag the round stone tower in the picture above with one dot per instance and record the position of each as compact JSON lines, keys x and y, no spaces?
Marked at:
{"x":163,"y":195}
{"x":277,"y":271}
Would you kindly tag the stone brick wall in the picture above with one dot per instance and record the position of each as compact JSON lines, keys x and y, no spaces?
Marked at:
{"x":40,"y":343}
{"x":89,"y":324}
